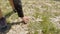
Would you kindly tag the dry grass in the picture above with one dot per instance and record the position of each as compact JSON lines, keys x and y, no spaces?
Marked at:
{"x":44,"y":15}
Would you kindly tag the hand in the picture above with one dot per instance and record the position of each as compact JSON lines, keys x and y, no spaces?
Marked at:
{"x":25,"y":19}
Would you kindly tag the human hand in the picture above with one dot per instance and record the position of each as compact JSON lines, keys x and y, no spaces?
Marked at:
{"x":25,"y":19}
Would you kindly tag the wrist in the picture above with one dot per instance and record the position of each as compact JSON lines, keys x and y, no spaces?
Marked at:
{"x":21,"y":17}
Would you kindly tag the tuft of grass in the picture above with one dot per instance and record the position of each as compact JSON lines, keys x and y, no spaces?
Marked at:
{"x":46,"y":26}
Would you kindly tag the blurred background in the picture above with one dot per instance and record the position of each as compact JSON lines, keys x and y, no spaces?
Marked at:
{"x":44,"y":17}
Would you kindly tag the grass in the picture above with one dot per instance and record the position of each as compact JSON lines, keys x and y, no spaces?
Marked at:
{"x":40,"y":9}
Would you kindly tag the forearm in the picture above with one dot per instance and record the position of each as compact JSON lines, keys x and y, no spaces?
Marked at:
{"x":18,"y":7}
{"x":16,"y":4}
{"x":20,"y":13}
{"x":1,"y":14}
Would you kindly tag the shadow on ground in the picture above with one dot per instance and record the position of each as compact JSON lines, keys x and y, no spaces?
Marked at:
{"x":5,"y":31}
{"x":9,"y":14}
{"x":9,"y":27}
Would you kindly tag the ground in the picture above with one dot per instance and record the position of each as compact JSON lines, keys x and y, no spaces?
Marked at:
{"x":44,"y":17}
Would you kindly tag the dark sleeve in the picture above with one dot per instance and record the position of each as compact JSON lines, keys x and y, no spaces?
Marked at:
{"x":18,"y":7}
